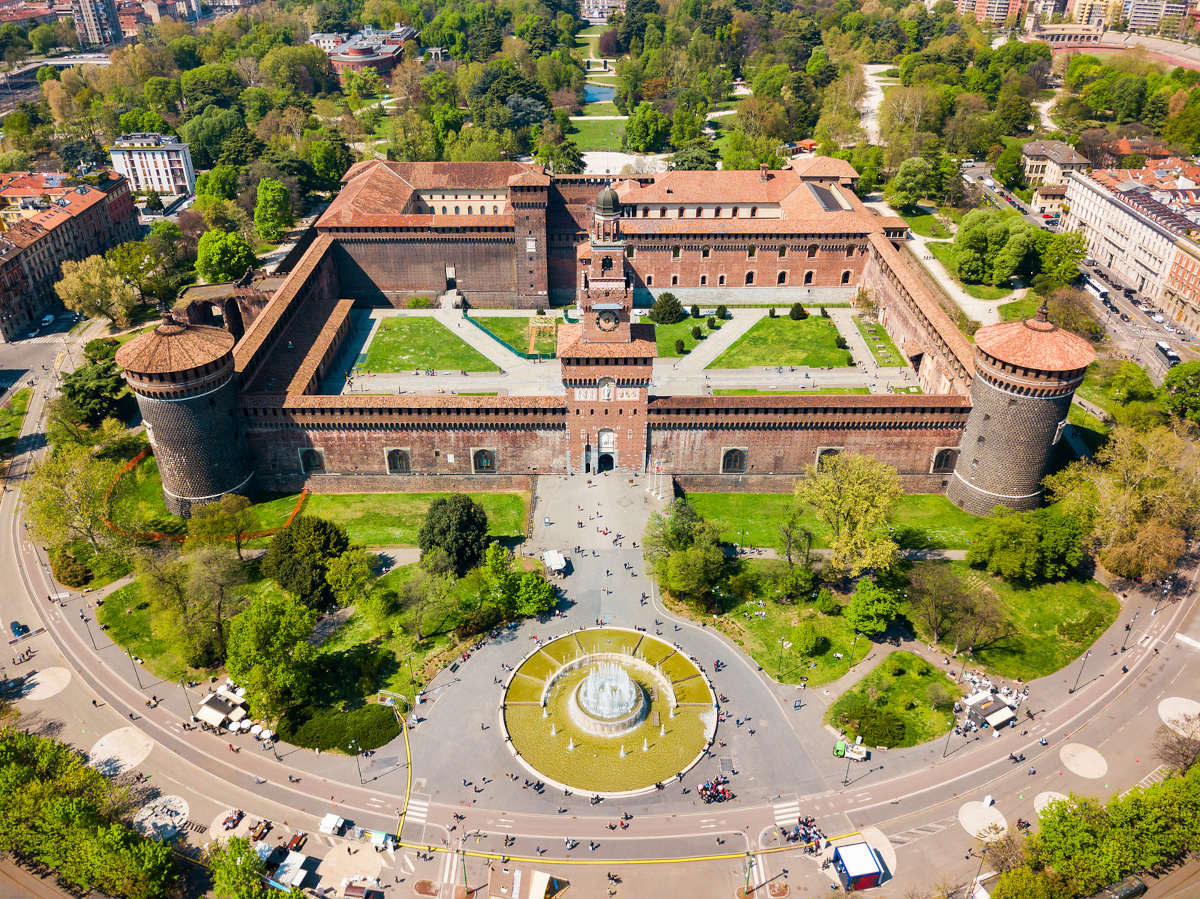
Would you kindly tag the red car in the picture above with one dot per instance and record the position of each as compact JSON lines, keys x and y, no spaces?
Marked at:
{"x":1047,"y":215}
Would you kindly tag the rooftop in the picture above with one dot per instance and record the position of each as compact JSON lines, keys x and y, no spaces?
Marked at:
{"x":1035,"y":343}
{"x":148,"y":141}
{"x":1054,"y":150}
{"x":174,"y":346}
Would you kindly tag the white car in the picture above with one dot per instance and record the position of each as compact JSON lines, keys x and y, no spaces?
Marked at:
{"x":47,"y":321}
{"x":1158,"y":318}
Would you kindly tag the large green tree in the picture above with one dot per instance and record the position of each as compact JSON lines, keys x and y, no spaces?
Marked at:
{"x":646,"y":129}
{"x":1181,"y":391}
{"x":299,"y":556}
{"x":457,"y":525}
{"x":910,"y":183}
{"x":269,"y":653}
{"x":871,"y":608}
{"x":67,"y":497}
{"x":94,"y":390}
{"x":273,"y":210}
{"x":237,"y":870}
{"x":223,"y":256}
{"x":94,"y":287}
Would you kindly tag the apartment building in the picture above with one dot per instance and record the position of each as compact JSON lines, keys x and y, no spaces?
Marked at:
{"x":157,"y":162}
{"x":1147,"y":15}
{"x":96,"y":22}
{"x":1049,"y":161}
{"x":998,"y":12}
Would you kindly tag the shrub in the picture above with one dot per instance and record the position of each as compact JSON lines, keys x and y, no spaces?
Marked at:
{"x":540,"y":310}
{"x":67,"y":569}
{"x":420,"y":303}
{"x":371,"y":726}
{"x":722,"y":312}
{"x":1084,"y":629}
{"x":827,"y":604}
{"x":712,"y":323}
{"x":840,"y":343}
{"x":679,"y":348}
{"x":771,"y":312}
{"x":696,"y":332}
{"x":824,"y":312}
{"x":666,"y":309}
{"x":797,"y":313}
{"x":478,"y":621}
{"x":877,"y":727}
{"x":695,"y":311}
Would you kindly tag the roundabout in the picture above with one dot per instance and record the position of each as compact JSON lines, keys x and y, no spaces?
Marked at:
{"x":608,"y":711}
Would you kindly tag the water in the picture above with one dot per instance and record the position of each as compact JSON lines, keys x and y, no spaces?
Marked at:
{"x":608,"y":692}
{"x":597,"y":93}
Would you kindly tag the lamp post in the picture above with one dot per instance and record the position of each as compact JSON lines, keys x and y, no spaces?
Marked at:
{"x":88,"y":624}
{"x":1078,"y":675}
{"x":357,"y":764}
{"x":1129,"y":629}
{"x":749,"y":864}
{"x":191,"y":711}
{"x":136,"y":673}
{"x":846,"y":779}
{"x":946,"y":748}
{"x":783,"y":644}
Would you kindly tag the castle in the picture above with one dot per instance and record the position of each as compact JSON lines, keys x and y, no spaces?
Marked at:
{"x":235,"y":403}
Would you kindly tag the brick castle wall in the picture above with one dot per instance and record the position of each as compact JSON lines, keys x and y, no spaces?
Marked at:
{"x":785,"y":483}
{"x":400,"y":483}
{"x":697,"y":261}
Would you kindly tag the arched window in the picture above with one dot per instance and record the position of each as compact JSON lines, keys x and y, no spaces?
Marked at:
{"x":649,"y":280}
{"x":781,"y":278}
{"x":812,"y":251}
{"x":456,"y":210}
{"x":735,"y":212}
{"x":674,"y":252}
{"x":312,"y":460}
{"x":662,"y":212}
{"x":721,"y":280}
{"x":717,"y":212}
{"x":846,"y":277}
{"x":783,"y":252}
{"x":849,"y":251}
{"x":483,"y":461}
{"x":645,"y":212}
{"x":753,"y":212}
{"x":945,"y":460}
{"x":674,"y":280}
{"x":495,"y":210}
{"x":606,"y":263}
{"x":470,"y":210}
{"x":704,"y":280}
{"x":825,"y":454}
{"x":705,"y":252}
{"x":808,"y":276}
{"x":398,"y":462}
{"x":750,"y":253}
{"x":733,"y":461}
{"x":443,"y":210}
{"x":749,"y":277}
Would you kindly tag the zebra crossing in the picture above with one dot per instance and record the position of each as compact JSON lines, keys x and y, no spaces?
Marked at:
{"x":786,"y":813}
{"x":418,"y":810}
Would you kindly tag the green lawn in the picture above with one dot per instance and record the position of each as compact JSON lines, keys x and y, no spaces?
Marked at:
{"x":404,"y":344}
{"x":755,"y":622}
{"x":925,"y":224}
{"x":1024,"y":308}
{"x":920,"y":520}
{"x":514,"y":329}
{"x":597,"y":134}
{"x":12,"y":416}
{"x":601,"y":107}
{"x":904,"y":701}
{"x":139,"y":501}
{"x":879,"y":343}
{"x":666,"y":335}
{"x":1096,"y":391}
{"x":1048,"y":625}
{"x":749,"y":391}
{"x":809,"y":343}
{"x":943,"y":251}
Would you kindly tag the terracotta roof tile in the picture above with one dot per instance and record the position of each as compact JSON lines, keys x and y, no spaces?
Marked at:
{"x":822,"y":167}
{"x":833,"y":402}
{"x":570,"y":343}
{"x":174,"y":346}
{"x":1035,"y":344}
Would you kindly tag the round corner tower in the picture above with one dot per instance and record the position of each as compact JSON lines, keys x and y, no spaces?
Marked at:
{"x":1025,"y":375}
{"x":183,"y":378}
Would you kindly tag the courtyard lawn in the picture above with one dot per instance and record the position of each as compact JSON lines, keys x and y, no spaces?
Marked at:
{"x":601,"y":107}
{"x":12,"y":416}
{"x":879,"y":343}
{"x":1048,"y":625}
{"x":666,"y":335}
{"x":420,"y":342}
{"x":597,"y":134}
{"x":925,"y":224}
{"x":514,"y":330}
{"x":808,"y":343}
{"x":944,"y":253}
{"x":920,"y":520}
{"x":757,"y":624}
{"x":139,"y":501}
{"x":749,"y":391}
{"x":904,"y":701}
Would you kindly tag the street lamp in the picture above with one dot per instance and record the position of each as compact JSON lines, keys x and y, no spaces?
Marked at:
{"x":1129,"y":629}
{"x":783,"y":644}
{"x":357,"y":764}
{"x":191,"y":711}
{"x":88,"y":624}
{"x":136,"y":673}
{"x":846,"y":779}
{"x":1082,"y":662}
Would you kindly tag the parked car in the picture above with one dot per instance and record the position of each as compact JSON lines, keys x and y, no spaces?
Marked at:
{"x":1047,"y":215}
{"x":47,"y":321}
{"x":1124,"y":317}
{"x":18,"y":630}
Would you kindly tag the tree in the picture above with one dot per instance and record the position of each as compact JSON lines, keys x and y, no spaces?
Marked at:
{"x":94,"y":391}
{"x":457,"y":525}
{"x":144,"y":268}
{"x":797,"y":313}
{"x":298,"y":558}
{"x":680,"y":346}
{"x":100,"y":350}
{"x":1130,"y":383}
{"x":666,"y":309}
{"x":853,"y":495}
{"x":154,"y":202}
{"x":1009,"y":168}
{"x":237,"y":871}
{"x":206,"y":132}
{"x":229,"y":518}
{"x":1071,"y":310}
{"x":910,"y":184}
{"x":937,"y":597}
{"x":350,"y":575}
{"x":871,"y":608}
{"x":646,"y":129}
{"x":535,"y":595}
{"x":67,"y":497}
{"x":695,"y":155}
{"x":223,"y":256}
{"x":1181,"y":391}
{"x":221,"y":182}
{"x":210,"y":598}
{"x":805,"y":638}
{"x":93,"y":287}
{"x":1177,"y":743}
{"x":273,"y":211}
{"x":794,"y":535}
{"x":1060,"y":258}
{"x":269,"y":653}
{"x":213,"y":85}
{"x":1027,"y":546}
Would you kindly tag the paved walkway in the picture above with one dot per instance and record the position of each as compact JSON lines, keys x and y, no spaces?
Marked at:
{"x":873,"y":98}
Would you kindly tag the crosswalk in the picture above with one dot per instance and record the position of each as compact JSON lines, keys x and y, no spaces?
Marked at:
{"x":418,"y":810}
{"x":786,"y":813}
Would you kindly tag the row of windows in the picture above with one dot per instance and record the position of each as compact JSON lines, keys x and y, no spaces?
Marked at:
{"x":780,"y":278}
{"x":471,"y":210}
{"x":735,"y":460}
{"x":698,"y":212}
{"x":399,"y":461}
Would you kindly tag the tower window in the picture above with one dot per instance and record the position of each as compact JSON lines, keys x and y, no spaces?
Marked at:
{"x":705,"y":252}
{"x":812,"y":251}
{"x":645,"y":212}
{"x":703,"y":280}
{"x":674,"y":280}
{"x":662,"y":212}
{"x":781,"y":278}
{"x":808,"y":276}
{"x":735,"y":212}
{"x":849,"y":251}
{"x":733,"y":461}
{"x":783,"y":252}
{"x":750,"y":253}
{"x":846,"y":277}
{"x":749,"y":277}
{"x":753,"y":212}
{"x":649,"y":280}
{"x":483,"y":461}
{"x":674,"y":252}
{"x":720,"y":280}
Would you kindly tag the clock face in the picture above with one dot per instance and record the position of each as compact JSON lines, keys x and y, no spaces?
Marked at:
{"x":606,"y":320}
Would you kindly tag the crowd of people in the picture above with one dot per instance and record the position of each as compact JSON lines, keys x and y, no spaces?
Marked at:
{"x":715,"y":790}
{"x":805,"y":831}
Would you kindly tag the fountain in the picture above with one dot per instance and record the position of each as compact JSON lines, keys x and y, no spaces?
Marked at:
{"x":622,"y":755}
{"x":570,"y":743}
{"x":553,"y":730}
{"x":645,"y":745}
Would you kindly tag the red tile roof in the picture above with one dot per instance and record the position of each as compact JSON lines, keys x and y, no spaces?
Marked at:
{"x":1035,"y":344}
{"x":174,"y":346}
{"x":570,"y":343}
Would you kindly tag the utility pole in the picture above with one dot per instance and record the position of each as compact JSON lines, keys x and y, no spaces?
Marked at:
{"x":136,"y":673}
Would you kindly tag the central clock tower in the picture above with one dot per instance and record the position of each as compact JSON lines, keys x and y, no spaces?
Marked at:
{"x":606,"y":300}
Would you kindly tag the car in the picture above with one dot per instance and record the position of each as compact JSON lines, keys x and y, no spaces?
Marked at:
{"x":47,"y":321}
{"x":1158,"y":318}
{"x":1047,"y":215}
{"x":1124,"y":317}
{"x":1168,"y":329}
{"x":32,"y":334}
{"x":18,"y":630}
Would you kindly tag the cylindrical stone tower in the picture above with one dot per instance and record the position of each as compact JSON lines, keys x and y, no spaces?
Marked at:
{"x":183,"y":378}
{"x":1025,"y":375}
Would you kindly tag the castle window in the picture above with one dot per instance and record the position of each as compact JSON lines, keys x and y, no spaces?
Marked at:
{"x":735,"y":212}
{"x":749,"y":277}
{"x":662,"y":212}
{"x":812,"y":251}
{"x":606,"y":264}
{"x":456,"y":210}
{"x":750,"y":253}
{"x":649,"y":280}
{"x":753,"y":212}
{"x":470,"y":210}
{"x":720,"y":280}
{"x":674,"y":280}
{"x":846,"y":277}
{"x":674,"y":252}
{"x":717,"y":212}
{"x":945,"y":460}
{"x":781,"y":278}
{"x":733,"y":461}
{"x":783,"y":252}
{"x":705,"y":252}
{"x":312,"y":461}
{"x":704,"y":280}
{"x":629,"y":252}
{"x":808,"y":276}
{"x":399,"y":462}
{"x":849,"y":251}
{"x":483,"y":461}
{"x":495,"y":210}
{"x":443,"y":210}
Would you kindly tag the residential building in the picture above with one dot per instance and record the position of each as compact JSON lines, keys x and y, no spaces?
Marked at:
{"x":96,"y":22}
{"x":25,"y":194}
{"x":329,"y":40}
{"x":83,"y":221}
{"x":157,"y":162}
{"x":1049,"y":161}
{"x":1147,"y":15}
{"x":998,"y":12}
{"x":1089,"y":12}
{"x":1116,"y":150}
{"x":1048,"y":199}
{"x":371,"y":48}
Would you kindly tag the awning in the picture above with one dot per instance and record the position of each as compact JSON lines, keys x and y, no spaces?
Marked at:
{"x":555,"y":561}
{"x":210,"y":716}
{"x":331,"y":823}
{"x":1003,"y":716}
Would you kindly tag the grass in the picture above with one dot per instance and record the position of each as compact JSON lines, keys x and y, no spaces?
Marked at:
{"x":943,"y":252}
{"x":514,"y":330}
{"x":601,"y":107}
{"x":920,"y":520}
{"x":904,"y":701}
{"x":1091,"y":430}
{"x":1095,"y":390}
{"x":666,"y":335}
{"x":1047,"y":625}
{"x":925,"y":224}
{"x":750,"y":391}
{"x":12,"y":417}
{"x":402,"y":344}
{"x":1022,"y":309}
{"x":808,"y":343}
{"x":879,"y":343}
{"x":598,"y":134}
{"x":139,"y":502}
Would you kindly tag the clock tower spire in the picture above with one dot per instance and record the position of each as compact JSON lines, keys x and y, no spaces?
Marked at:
{"x":606,"y":300}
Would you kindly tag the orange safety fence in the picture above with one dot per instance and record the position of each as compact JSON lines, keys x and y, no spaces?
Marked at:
{"x":179,"y":538}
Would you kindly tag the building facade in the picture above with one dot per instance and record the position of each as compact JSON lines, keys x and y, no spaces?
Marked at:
{"x":1049,"y":161}
{"x":512,"y":234}
{"x":371,"y":48}
{"x":96,"y":22}
{"x":162,"y":163}
{"x":997,"y":12}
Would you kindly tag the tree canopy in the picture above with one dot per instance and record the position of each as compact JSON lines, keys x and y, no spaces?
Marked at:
{"x":458,"y":526}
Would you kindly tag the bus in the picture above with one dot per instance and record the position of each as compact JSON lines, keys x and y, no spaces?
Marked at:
{"x":1095,"y":289}
{"x":1169,"y":355}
